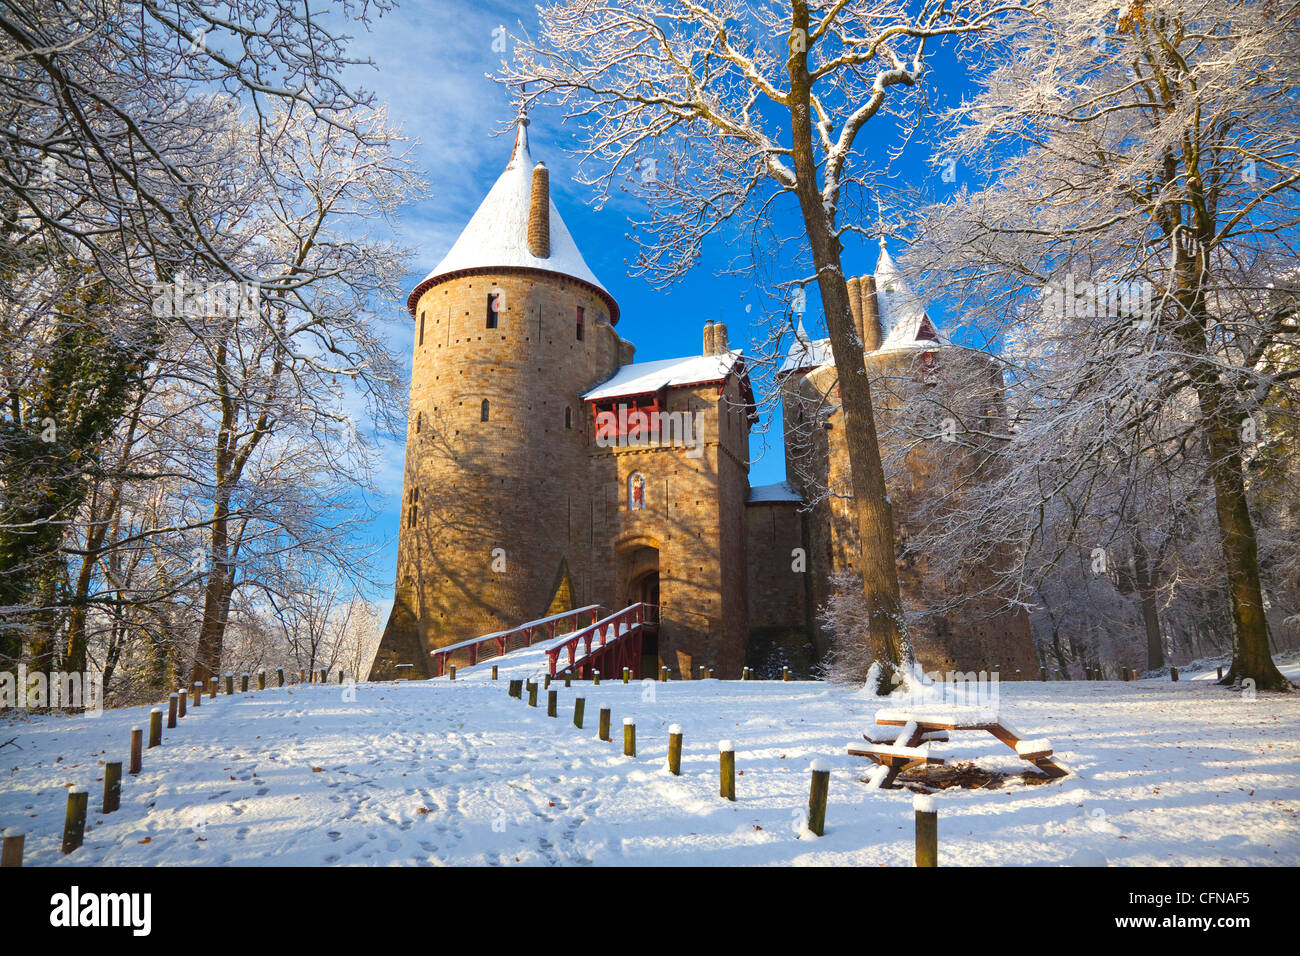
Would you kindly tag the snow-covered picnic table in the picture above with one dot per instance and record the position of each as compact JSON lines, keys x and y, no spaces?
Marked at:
{"x":896,"y":750}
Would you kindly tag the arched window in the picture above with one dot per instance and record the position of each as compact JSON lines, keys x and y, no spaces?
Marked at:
{"x":568,"y":416}
{"x":636,"y":491}
{"x":493,"y":310}
{"x":483,"y":411}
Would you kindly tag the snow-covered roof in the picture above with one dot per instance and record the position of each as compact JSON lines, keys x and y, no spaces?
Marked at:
{"x":804,"y":352}
{"x":902,"y":315}
{"x":904,"y":323}
{"x":770,"y":494}
{"x":497,"y":234}
{"x":642,"y":377}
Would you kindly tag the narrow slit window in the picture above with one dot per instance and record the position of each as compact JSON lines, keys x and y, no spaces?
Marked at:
{"x":421,"y":328}
{"x":581,"y":319}
{"x":484,"y":411}
{"x":568,"y":417}
{"x":493,"y":304}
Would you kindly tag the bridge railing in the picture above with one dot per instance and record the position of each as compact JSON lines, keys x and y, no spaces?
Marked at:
{"x":607,"y":631}
{"x":564,"y":622}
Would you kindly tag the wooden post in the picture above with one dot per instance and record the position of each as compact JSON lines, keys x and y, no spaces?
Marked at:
{"x":821,"y":785}
{"x":1087,"y":673}
{"x":552,"y":703}
{"x":198,"y":694}
{"x":1042,"y":674}
{"x":675,"y":750}
{"x":663,"y":671}
{"x":324,"y":675}
{"x":451,"y":672}
{"x":532,"y":694}
{"x":171,"y":711}
{"x":1220,"y":673}
{"x":927,"y":830}
{"x":785,"y":673}
{"x":579,"y":704}
{"x":703,"y":670}
{"x":494,"y":671}
{"x":604,"y":722}
{"x":629,"y":737}
{"x":568,"y":680}
{"x":595,"y":677}
{"x":1173,"y":673}
{"x":74,"y":821}
{"x":112,"y":786}
{"x":212,"y":688}
{"x":710,"y":672}
{"x":11,"y":851}
{"x":155,"y":727}
{"x":1123,"y":673}
{"x":261,"y":679}
{"x":137,"y":738}
{"x":302,"y":676}
{"x":243,"y":683}
{"x":546,"y":685}
{"x":181,"y":697}
{"x":230,"y":685}
{"x":627,"y":674}
{"x":1018,"y":673}
{"x":727,"y":766}
{"x":279,"y":675}
{"x":340,"y":675}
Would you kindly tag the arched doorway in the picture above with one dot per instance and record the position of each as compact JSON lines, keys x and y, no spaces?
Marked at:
{"x":638,"y":564}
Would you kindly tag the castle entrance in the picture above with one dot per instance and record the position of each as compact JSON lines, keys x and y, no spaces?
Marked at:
{"x":639,"y":569}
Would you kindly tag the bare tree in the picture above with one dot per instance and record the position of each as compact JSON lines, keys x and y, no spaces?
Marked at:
{"x":1144,"y":213}
{"x":750,"y":104}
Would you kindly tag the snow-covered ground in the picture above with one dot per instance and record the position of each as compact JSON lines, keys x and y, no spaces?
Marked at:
{"x":437,"y":772}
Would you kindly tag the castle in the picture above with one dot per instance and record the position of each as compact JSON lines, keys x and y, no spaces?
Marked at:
{"x":546,"y":469}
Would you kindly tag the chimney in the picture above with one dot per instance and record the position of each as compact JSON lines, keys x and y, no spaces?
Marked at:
{"x":539,"y":214}
{"x":719,"y":338}
{"x":855,"y":303}
{"x":708,"y":337}
{"x":871,"y":331}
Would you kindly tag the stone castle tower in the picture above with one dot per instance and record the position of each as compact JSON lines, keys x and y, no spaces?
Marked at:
{"x":905,"y":356}
{"x":521,"y":499}
{"x":509,"y":329}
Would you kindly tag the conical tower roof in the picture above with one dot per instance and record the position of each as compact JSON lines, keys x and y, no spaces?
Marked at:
{"x":904,"y":322}
{"x":496,"y":237}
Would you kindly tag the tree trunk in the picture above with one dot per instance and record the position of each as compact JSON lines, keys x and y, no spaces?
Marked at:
{"x":1251,"y":659}
{"x":216,"y":601}
{"x":890,"y":645}
{"x":1144,"y":576}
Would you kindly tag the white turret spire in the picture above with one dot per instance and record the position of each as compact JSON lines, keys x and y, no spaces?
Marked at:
{"x":496,"y":236}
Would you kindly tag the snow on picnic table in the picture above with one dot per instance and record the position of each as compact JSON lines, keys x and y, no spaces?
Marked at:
{"x":435,"y":772}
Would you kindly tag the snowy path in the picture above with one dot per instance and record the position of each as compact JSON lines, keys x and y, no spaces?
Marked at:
{"x":442,"y":773}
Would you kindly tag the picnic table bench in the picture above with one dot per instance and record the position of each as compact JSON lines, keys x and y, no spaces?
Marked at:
{"x":909,"y":746}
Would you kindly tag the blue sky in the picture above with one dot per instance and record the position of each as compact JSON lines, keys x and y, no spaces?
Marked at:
{"x":431,"y":61}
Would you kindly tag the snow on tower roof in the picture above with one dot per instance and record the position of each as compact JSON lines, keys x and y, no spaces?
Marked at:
{"x":781,"y":491}
{"x":497,"y":234}
{"x":903,"y":319}
{"x":805,"y":353}
{"x":904,"y":323}
{"x":640,"y":378}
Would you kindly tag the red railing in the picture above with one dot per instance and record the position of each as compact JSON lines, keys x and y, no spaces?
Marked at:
{"x":502,"y":638}
{"x":625,"y":624}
